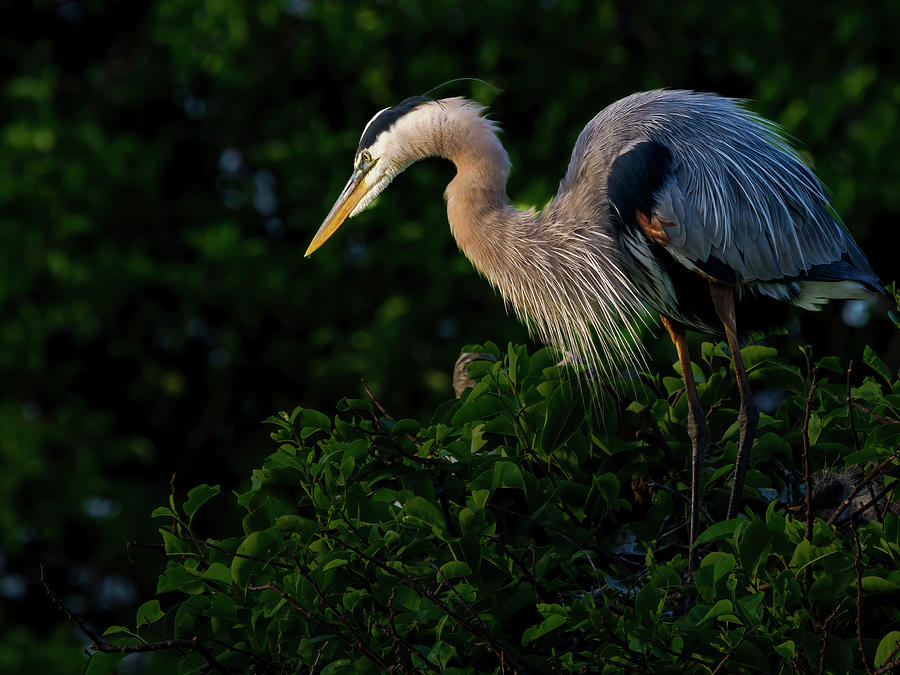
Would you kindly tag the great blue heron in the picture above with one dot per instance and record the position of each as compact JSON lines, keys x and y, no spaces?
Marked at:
{"x":683,"y":202}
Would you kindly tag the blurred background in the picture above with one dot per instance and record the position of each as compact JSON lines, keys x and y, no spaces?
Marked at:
{"x":163,"y":166}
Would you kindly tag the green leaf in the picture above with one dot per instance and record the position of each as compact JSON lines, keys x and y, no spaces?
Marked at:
{"x":422,"y":511}
{"x":552,"y":622}
{"x":871,"y":359}
{"x":313,"y":419}
{"x":886,"y":647}
{"x":162,"y":512}
{"x":102,"y":664}
{"x":175,"y":545}
{"x":405,"y":426}
{"x":786,"y":650}
{"x":178,"y":578}
{"x":816,"y":425}
{"x":873,"y":584}
{"x":720,"y":530}
{"x":507,"y":475}
{"x":197,"y":497}
{"x":455,"y":568}
{"x":478,"y":407}
{"x":149,"y":612}
{"x":115,"y":630}
{"x":218,"y":572}
{"x":338,"y":666}
{"x":755,"y":355}
{"x":258,"y":547}
{"x":754,"y":547}
{"x":565,"y":413}
{"x":720,"y":608}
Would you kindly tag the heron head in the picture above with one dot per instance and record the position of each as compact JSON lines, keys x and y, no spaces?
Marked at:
{"x":381,"y":155}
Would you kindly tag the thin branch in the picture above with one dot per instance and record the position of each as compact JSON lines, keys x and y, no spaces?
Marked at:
{"x":581,"y":545}
{"x":140,"y":544}
{"x":889,"y":663}
{"x":172,"y":500}
{"x":234,"y":554}
{"x":650,"y":433}
{"x":858,"y":567}
{"x":874,"y":473}
{"x":397,"y":636}
{"x":636,"y":656}
{"x":410,"y":581}
{"x":465,"y":604}
{"x":806,"y":468}
{"x":364,"y":648}
{"x":675,"y":492}
{"x":746,"y":634}
{"x":538,"y":589}
{"x":687,"y":657}
{"x":874,"y":501}
{"x":100,"y":644}
{"x":384,"y":412}
{"x":850,"y":415}
{"x":624,"y":666}
{"x":825,"y":632}
{"x":880,"y":418}
{"x":352,"y":640}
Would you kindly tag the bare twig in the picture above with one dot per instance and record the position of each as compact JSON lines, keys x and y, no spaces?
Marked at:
{"x":806,"y":468}
{"x":828,"y":619}
{"x":360,"y":645}
{"x":880,"y":418}
{"x":465,"y":604}
{"x":889,"y":662}
{"x":351,"y":639}
{"x":140,"y":544}
{"x":858,"y":567}
{"x":649,"y":433}
{"x":675,"y":492}
{"x":234,"y":554}
{"x":632,"y":654}
{"x":728,"y":656}
{"x":850,"y":416}
{"x":538,"y":589}
{"x":99,"y":644}
{"x":626,"y":667}
{"x":172,"y":499}
{"x":501,"y":651}
{"x":580,"y":545}
{"x":397,"y":636}
{"x":873,"y":502}
{"x":872,"y":475}
{"x":682,"y":656}
{"x":384,"y":412}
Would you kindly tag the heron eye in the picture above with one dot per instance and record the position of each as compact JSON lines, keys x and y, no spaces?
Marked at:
{"x":366,"y":157}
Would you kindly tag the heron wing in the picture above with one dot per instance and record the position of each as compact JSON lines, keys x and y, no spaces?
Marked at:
{"x":743,"y":207}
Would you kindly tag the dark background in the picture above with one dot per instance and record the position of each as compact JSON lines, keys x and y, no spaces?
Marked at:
{"x":163,"y":166}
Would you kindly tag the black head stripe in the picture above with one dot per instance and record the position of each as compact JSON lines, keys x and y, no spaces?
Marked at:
{"x":386,"y":120}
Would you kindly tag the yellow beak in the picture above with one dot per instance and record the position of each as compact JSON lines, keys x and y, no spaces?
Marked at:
{"x":354,"y":191}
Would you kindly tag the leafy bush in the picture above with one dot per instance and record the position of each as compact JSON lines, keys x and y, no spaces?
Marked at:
{"x":518,"y":531}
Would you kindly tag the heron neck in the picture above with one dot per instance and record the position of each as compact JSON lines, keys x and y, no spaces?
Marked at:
{"x":486,"y":227}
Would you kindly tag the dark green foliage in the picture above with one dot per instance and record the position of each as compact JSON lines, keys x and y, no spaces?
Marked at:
{"x":509,"y":532}
{"x":154,"y":302}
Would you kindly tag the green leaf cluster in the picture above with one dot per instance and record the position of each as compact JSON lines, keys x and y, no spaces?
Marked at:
{"x":521,"y":529}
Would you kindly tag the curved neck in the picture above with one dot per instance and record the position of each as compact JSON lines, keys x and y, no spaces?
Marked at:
{"x":483,"y":223}
{"x":558,"y":270}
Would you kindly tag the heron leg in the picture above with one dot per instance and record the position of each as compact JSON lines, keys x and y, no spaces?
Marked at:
{"x":748,"y":417}
{"x":696,"y":426}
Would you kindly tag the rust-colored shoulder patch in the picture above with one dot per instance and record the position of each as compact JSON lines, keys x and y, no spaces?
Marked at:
{"x":653,"y":227}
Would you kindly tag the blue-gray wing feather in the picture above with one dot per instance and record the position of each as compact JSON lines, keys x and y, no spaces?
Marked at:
{"x":739,"y":194}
